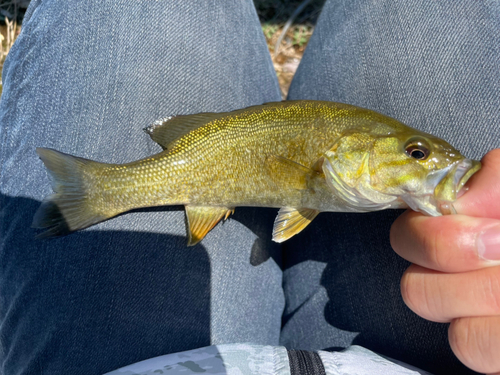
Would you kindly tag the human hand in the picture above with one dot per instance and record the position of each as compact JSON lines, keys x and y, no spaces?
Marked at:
{"x":455,"y":275}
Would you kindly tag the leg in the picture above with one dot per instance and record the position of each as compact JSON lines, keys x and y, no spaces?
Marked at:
{"x":85,"y":78}
{"x":434,"y":67}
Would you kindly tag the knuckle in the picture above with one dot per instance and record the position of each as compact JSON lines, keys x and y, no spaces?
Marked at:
{"x":433,"y":250}
{"x":449,"y":248}
{"x":420,"y":296}
{"x":463,"y":341}
{"x":437,"y":246}
{"x":473,"y":342}
{"x":491,"y":289}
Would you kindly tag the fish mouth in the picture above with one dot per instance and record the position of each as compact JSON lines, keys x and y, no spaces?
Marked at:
{"x":451,"y":185}
{"x":442,"y":188}
{"x":465,"y":170}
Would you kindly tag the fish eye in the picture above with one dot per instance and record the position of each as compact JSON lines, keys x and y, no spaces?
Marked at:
{"x":417,"y":148}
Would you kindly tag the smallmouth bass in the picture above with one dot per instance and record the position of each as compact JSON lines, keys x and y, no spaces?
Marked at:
{"x":303,"y":157}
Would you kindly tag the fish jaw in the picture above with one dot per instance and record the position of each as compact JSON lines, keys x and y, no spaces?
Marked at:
{"x":442,"y":188}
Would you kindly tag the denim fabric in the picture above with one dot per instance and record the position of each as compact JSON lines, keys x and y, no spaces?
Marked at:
{"x":434,"y":66}
{"x":86,"y":78}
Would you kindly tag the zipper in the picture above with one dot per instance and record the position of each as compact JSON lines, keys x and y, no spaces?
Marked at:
{"x":303,"y":362}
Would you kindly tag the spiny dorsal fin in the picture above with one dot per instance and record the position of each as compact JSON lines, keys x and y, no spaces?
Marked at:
{"x":201,"y":219}
{"x":291,"y":221}
{"x":169,"y":129}
{"x":286,"y":172}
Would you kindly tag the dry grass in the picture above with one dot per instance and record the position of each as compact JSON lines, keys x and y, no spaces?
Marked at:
{"x":11,"y":13}
{"x":286,"y":56}
{"x":8,"y":35}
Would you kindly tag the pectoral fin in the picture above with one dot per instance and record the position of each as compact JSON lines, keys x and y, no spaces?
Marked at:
{"x":286,"y":172}
{"x":291,"y":221}
{"x":201,"y":219}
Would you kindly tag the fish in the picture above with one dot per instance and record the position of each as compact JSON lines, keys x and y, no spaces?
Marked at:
{"x":303,"y":157}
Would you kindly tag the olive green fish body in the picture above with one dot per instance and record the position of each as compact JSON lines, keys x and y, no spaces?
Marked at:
{"x":226,"y":162}
{"x":302,"y":156}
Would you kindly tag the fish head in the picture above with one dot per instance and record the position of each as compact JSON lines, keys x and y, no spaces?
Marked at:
{"x":397,"y":169}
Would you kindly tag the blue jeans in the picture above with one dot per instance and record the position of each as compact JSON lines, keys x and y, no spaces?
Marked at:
{"x":86,"y":77}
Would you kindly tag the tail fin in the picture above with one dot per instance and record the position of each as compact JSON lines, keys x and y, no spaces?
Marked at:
{"x":69,"y":209}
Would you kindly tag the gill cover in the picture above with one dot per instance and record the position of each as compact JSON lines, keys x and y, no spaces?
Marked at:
{"x":348,"y":170}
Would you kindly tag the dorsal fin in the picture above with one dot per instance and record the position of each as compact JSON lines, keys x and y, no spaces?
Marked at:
{"x":201,"y":219}
{"x":286,"y":172}
{"x":169,"y":129}
{"x":291,"y":221}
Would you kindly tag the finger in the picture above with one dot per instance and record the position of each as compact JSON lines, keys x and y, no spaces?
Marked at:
{"x":457,"y":243}
{"x":483,"y":197}
{"x":452,"y":243}
{"x":441,"y":297}
{"x":476,"y":342}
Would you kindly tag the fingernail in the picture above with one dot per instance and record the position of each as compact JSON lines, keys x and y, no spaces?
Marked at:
{"x":488,"y":244}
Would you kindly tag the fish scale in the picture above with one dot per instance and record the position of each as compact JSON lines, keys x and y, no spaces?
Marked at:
{"x":301,"y":156}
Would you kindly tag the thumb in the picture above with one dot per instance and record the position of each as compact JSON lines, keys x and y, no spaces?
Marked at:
{"x":483,"y":197}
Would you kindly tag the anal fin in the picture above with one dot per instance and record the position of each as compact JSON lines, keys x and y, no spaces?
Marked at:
{"x":201,"y":219}
{"x":291,"y":221}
